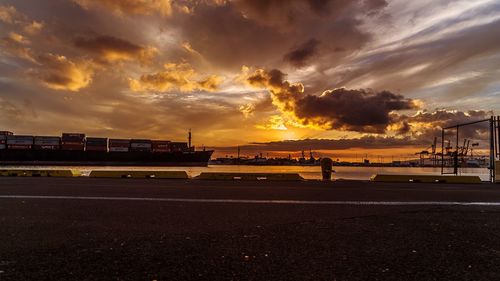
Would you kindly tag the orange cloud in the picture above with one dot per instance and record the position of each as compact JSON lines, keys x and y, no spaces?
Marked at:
{"x":360,"y":110}
{"x":60,"y":73}
{"x":33,"y":27}
{"x":275,"y":122}
{"x":137,"y":7}
{"x":175,"y":76}
{"x":247,"y":109}
{"x":112,"y":49}
{"x":17,"y":45}
{"x":10,"y":15}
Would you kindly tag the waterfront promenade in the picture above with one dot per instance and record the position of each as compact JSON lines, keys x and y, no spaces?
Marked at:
{"x":134,"y":229}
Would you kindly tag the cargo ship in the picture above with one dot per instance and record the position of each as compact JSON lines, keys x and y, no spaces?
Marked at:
{"x":75,"y":149}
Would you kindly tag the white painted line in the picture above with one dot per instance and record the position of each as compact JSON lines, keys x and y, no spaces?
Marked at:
{"x":246,"y":201}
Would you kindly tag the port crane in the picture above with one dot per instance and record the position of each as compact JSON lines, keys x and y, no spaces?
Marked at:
{"x":425,"y":154}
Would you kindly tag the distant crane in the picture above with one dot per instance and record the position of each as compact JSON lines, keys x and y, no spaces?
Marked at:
{"x":425,"y":154}
{"x":464,"y":149}
{"x":476,"y":144}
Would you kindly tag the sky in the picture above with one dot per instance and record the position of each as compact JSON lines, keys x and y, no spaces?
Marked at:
{"x":340,"y":77}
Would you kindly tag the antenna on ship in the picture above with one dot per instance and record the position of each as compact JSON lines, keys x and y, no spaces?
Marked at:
{"x":189,"y":139}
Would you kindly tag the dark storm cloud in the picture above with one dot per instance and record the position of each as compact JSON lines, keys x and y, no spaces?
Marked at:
{"x":353,"y":110}
{"x":240,"y":33}
{"x":423,"y":137}
{"x":447,"y":118}
{"x":300,"y":55}
{"x":428,"y":124}
{"x":110,"y":48}
{"x":293,"y":11}
{"x":226,"y":39}
{"x":341,"y":109}
{"x":365,"y":142}
{"x":101,"y":44}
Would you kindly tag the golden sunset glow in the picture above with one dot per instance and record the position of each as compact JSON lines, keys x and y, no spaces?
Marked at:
{"x":336,"y":77}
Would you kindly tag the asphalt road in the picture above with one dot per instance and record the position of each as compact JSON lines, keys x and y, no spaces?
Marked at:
{"x":128,"y":229}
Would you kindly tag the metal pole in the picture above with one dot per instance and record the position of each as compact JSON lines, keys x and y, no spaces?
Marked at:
{"x":442,"y":151}
{"x":469,"y":123}
{"x":498,"y":136}
{"x":455,"y":157}
{"x":492,"y":148}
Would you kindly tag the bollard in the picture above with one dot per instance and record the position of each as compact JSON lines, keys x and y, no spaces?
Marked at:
{"x":326,"y":168}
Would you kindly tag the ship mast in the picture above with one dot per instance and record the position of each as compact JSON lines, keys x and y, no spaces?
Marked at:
{"x":189,"y":139}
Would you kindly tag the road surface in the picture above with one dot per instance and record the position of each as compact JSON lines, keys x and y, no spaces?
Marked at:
{"x":130,"y":229}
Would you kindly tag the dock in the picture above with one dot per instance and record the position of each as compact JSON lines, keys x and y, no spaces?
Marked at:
{"x":56,"y":228}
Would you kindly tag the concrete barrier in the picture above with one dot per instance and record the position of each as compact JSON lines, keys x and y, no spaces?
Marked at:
{"x":425,"y":178}
{"x":40,"y":173}
{"x":250,"y":176}
{"x":140,"y":174}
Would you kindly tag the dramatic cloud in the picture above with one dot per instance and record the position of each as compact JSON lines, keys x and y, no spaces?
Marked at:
{"x":353,"y":110}
{"x":115,"y":49}
{"x":10,"y":15}
{"x":17,"y":45}
{"x":340,"y":109}
{"x":426,"y":124}
{"x":33,"y":27}
{"x":175,"y":77}
{"x":377,"y":60}
{"x":9,"y":110}
{"x":436,"y":58}
{"x":59,"y":73}
{"x":234,"y":33}
{"x":275,"y":122}
{"x":294,"y":12}
{"x":303,"y":53}
{"x":247,"y":109}
{"x":372,"y":142}
{"x":139,"y":7}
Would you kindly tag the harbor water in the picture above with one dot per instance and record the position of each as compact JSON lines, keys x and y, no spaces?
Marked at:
{"x":308,"y":172}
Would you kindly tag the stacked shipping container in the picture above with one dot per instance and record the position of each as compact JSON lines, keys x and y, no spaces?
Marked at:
{"x":97,"y":144}
{"x":140,"y":145}
{"x":47,"y":143}
{"x":78,"y":142}
{"x":73,"y":141}
{"x":119,"y":145}
{"x":3,"y":138}
{"x":160,"y":146}
{"x":178,"y":146}
{"x":19,"y":142}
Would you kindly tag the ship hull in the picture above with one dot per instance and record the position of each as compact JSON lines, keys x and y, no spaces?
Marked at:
{"x":102,"y":158}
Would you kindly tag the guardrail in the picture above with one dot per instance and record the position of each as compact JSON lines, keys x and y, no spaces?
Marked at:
{"x":250,"y":176}
{"x":140,"y":174}
{"x":40,"y":173}
{"x":425,"y":178}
